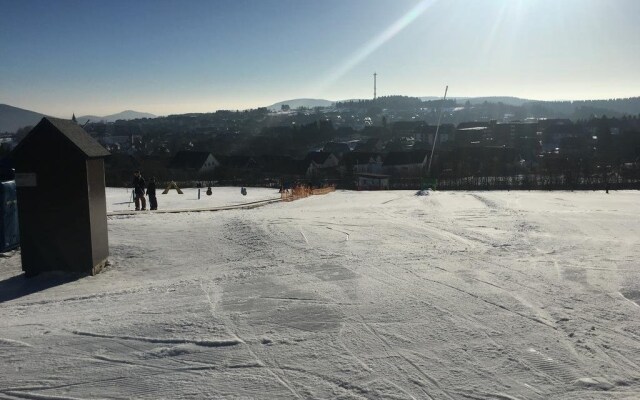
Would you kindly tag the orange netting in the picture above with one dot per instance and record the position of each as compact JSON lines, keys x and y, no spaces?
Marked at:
{"x":300,"y":192}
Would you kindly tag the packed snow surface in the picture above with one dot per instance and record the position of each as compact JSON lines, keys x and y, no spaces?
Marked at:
{"x":354,"y":295}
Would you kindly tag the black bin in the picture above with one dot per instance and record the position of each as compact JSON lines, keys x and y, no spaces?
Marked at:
{"x":62,"y":209}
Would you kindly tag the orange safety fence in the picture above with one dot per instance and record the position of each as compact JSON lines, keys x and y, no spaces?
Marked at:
{"x":323,"y":190}
{"x":300,"y":192}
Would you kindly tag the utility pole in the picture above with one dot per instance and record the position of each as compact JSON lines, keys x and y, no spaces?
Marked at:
{"x":435,"y":139}
{"x":374,"y":85}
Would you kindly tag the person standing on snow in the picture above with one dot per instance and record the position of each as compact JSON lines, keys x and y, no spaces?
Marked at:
{"x":138,"y":191}
{"x":151,"y":192}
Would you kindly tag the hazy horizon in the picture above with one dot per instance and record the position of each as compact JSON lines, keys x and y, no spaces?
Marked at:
{"x":166,"y":57}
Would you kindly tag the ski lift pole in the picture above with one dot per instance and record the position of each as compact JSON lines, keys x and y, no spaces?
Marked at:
{"x":435,"y":139}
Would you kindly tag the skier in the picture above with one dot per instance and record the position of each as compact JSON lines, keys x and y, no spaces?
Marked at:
{"x":138,"y":191}
{"x":151,"y":192}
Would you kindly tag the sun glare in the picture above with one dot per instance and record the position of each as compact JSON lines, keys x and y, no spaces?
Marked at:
{"x":368,"y":48}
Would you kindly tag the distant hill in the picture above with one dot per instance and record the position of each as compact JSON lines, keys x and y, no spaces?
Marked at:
{"x":512,"y":101}
{"x":14,"y":118}
{"x":505,"y":108}
{"x":296,"y":103}
{"x":125,"y":115}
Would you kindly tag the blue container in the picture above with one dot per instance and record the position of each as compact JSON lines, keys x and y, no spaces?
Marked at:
{"x":9,"y":233}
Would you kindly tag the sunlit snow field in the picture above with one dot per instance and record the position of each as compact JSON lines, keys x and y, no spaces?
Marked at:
{"x":455,"y":295}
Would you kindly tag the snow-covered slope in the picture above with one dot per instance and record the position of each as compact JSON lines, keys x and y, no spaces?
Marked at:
{"x":463,"y":295}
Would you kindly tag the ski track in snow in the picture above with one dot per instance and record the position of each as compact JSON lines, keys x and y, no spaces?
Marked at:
{"x":204,"y":343}
{"x":460,"y":295}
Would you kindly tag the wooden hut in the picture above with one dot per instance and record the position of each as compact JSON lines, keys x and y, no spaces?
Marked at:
{"x":61,"y":199}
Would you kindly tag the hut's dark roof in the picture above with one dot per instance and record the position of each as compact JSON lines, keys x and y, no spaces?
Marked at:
{"x":189,"y":159}
{"x":359,"y":157}
{"x":236,"y":161}
{"x":73,"y":132}
{"x":318,"y":157}
{"x":404,"y":158}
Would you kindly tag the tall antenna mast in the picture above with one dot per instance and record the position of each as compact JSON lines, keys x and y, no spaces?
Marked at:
{"x":375,"y":74}
{"x":435,"y":138}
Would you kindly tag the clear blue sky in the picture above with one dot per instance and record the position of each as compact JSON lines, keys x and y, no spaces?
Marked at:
{"x":102,"y":57}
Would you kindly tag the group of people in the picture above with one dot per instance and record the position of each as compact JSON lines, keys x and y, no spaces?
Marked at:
{"x":139,"y":188}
